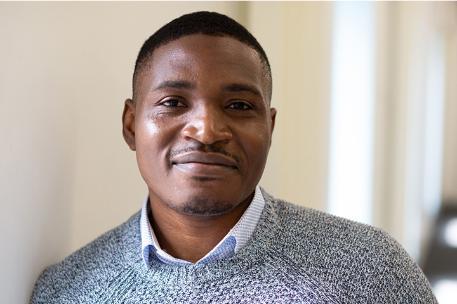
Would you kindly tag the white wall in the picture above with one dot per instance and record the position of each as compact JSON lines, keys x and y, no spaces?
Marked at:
{"x":411,"y":113}
{"x":450,"y":145}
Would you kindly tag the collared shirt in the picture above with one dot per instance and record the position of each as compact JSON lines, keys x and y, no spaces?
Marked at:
{"x":235,"y":239}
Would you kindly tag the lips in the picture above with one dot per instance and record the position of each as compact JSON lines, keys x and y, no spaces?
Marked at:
{"x":205,"y":158}
{"x":204,"y":163}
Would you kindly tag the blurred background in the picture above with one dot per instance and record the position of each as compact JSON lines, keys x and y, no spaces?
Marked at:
{"x":366,"y":94}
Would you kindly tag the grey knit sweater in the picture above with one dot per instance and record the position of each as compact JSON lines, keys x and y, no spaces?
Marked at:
{"x":296,"y":255}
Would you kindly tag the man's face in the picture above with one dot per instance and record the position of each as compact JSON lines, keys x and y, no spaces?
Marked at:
{"x":201,"y":124}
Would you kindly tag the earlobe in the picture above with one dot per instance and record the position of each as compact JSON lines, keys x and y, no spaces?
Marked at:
{"x":128,"y":123}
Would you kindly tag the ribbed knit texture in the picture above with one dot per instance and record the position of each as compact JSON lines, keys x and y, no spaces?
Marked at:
{"x":296,"y":255}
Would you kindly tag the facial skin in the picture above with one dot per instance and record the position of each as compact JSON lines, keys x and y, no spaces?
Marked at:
{"x":201,"y":125}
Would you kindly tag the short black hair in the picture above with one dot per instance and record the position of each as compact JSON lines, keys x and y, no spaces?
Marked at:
{"x":207,"y":23}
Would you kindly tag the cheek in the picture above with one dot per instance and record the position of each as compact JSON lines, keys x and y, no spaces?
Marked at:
{"x":152,"y":142}
{"x":152,"y":139}
{"x":255,"y":143}
{"x":153,"y":133}
{"x":151,"y":128}
{"x":150,"y":125}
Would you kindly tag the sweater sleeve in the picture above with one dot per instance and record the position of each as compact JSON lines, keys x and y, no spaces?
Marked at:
{"x":44,"y":288}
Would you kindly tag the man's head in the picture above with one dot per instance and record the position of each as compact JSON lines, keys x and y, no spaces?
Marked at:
{"x":200,"y":120}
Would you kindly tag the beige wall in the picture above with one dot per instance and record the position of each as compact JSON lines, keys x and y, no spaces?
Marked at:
{"x":297,"y":38}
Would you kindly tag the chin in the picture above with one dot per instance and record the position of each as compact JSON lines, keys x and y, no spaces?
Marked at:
{"x":204,"y":206}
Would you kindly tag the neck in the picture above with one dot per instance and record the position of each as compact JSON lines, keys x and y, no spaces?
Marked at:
{"x":190,"y":237}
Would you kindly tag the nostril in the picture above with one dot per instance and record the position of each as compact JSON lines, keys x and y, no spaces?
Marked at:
{"x":208,"y":131}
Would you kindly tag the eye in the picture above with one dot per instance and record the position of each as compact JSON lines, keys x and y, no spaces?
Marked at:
{"x":240,"y":105}
{"x":172,"y":103}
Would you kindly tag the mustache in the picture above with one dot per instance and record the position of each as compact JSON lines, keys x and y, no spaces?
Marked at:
{"x":198,"y":147}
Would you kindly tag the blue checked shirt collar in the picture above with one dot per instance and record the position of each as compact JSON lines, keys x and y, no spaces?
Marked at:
{"x":235,"y":239}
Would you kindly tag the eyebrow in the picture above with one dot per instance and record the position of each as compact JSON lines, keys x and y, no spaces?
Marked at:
{"x":175,"y":84}
{"x":240,"y":87}
{"x":183,"y":84}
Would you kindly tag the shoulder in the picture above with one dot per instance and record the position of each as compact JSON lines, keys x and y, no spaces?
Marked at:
{"x":320,"y":226}
{"x":309,"y":229}
{"x":84,"y":270}
{"x":364,"y":262}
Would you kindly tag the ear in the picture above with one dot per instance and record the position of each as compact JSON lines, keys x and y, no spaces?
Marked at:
{"x":128,"y":123}
{"x":273,"y":119}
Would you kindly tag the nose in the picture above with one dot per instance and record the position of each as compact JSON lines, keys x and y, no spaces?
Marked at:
{"x":208,"y":126}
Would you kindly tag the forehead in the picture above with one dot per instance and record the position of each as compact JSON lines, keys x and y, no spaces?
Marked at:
{"x":201,"y":58}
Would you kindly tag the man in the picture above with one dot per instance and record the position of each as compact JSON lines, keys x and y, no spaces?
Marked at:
{"x":201,"y":125}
